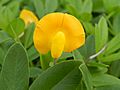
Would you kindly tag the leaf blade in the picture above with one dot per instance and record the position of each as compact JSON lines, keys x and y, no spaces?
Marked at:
{"x":15,"y":75}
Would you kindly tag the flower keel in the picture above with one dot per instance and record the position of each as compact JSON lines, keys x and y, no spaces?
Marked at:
{"x":58,"y":43}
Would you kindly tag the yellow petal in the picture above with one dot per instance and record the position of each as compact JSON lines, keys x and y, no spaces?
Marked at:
{"x":51,"y":31}
{"x":28,"y":17}
{"x":45,"y":30}
{"x":40,"y":41}
{"x":51,"y":22}
{"x":75,"y":36}
{"x":58,"y":43}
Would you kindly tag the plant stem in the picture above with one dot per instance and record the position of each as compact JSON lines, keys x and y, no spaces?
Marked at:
{"x":55,"y":61}
{"x":45,"y":60}
{"x":42,"y":62}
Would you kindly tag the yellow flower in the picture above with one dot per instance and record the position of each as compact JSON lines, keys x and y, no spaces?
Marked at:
{"x":28,"y":17}
{"x":58,"y":32}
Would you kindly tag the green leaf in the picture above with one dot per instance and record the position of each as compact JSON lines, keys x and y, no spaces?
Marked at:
{"x":4,"y":46}
{"x":7,"y":44}
{"x":7,"y":16}
{"x":87,"y":78}
{"x":15,"y":7}
{"x":62,"y":74}
{"x":39,"y":7}
{"x":109,"y":87}
{"x":73,"y":6}
{"x":28,"y":36}
{"x":15,"y":28}
{"x":3,"y":1}
{"x":89,"y":48}
{"x":116,"y":26}
{"x":71,"y":9}
{"x":70,"y":82}
{"x":79,"y":8}
{"x":90,"y":45}
{"x":0,"y":68}
{"x":86,"y":6}
{"x":96,"y":64}
{"x":110,"y":5}
{"x":86,"y":10}
{"x":101,"y":34}
{"x":35,"y":72}
{"x":98,"y":6}
{"x":85,"y":16}
{"x":15,"y":71}
{"x":65,"y":55}
{"x":115,"y":68}
{"x":77,"y":4}
{"x":97,"y":68}
{"x":51,"y":6}
{"x":105,"y":79}
{"x":2,"y":54}
{"x":113,"y":45}
{"x":77,"y":55}
{"x":32,"y":53}
{"x":8,"y":13}
{"x":111,"y":57}
{"x":89,"y":28}
{"x":3,"y":37}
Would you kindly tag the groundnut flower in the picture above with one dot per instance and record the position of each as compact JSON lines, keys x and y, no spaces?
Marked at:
{"x":58,"y":32}
{"x":28,"y":17}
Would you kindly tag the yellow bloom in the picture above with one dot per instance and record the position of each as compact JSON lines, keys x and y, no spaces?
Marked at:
{"x":58,"y":32}
{"x":28,"y":17}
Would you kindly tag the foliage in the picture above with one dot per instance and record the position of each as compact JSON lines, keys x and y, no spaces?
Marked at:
{"x":94,"y":66}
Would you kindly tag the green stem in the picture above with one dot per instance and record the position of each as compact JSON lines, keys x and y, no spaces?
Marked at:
{"x":45,"y":60}
{"x":42,"y":62}
{"x":55,"y":61}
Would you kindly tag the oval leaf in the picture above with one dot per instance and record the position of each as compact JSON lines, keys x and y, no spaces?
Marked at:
{"x":60,"y":76}
{"x":113,"y":45}
{"x":87,"y":78}
{"x":101,"y":34}
{"x":15,"y":72}
{"x":28,"y":36}
{"x":15,"y":28}
{"x":51,"y":6}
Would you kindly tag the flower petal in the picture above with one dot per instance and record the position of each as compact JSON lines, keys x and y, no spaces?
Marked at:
{"x":51,"y":22}
{"x":75,"y":36}
{"x":28,"y":17}
{"x":40,"y":41}
{"x":45,"y":30}
{"x":58,"y":43}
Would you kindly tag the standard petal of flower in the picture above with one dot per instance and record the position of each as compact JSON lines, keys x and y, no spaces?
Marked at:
{"x":40,"y":41}
{"x":75,"y":36}
{"x":51,"y":22}
{"x":49,"y":25}
{"x":28,"y":17}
